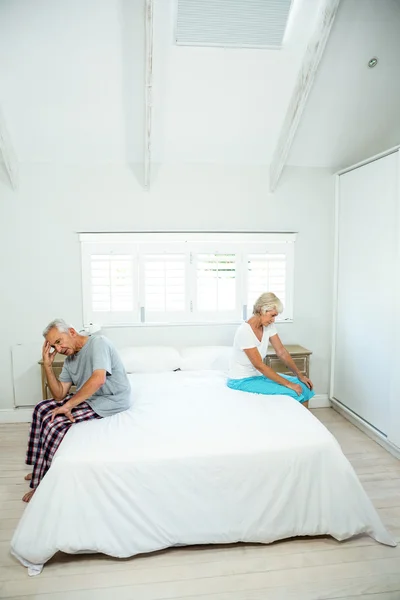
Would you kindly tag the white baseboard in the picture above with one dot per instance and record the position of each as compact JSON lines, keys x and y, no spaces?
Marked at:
{"x":15,"y":415}
{"x":366,"y":428}
{"x":319,"y":401}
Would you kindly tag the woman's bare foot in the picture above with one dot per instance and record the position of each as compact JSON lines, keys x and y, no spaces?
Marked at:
{"x":28,"y":477}
{"x":28,"y":496}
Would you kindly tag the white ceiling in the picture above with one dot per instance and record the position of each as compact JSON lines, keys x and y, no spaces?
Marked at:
{"x":221,"y":105}
{"x":72,"y":86}
{"x":353,"y":112}
{"x":62,"y":84}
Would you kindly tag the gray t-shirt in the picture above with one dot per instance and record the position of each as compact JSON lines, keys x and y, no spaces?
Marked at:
{"x":99,"y":353}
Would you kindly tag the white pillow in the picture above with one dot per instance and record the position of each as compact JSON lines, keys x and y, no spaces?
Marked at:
{"x":199,"y":358}
{"x":150,"y":359}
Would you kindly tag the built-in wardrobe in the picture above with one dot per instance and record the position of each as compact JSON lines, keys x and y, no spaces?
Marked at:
{"x":365,"y":375}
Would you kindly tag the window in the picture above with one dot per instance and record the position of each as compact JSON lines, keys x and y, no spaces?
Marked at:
{"x":265,"y":272}
{"x":183,"y":277}
{"x":163,"y":283}
{"x":215,"y":286}
{"x":111,"y":283}
{"x":232,"y":23}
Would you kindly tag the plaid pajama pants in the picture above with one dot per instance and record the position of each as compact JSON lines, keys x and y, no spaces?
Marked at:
{"x":46,"y":436}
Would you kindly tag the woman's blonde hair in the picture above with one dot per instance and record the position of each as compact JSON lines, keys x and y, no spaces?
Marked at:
{"x":267,"y":302}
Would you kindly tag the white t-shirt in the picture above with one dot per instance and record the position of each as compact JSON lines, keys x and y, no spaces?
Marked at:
{"x":240,"y":365}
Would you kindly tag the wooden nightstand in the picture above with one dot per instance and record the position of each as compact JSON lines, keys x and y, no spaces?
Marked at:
{"x":57,"y":368}
{"x":300,"y":355}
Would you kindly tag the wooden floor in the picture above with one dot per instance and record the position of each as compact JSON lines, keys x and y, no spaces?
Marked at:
{"x":298,"y":569}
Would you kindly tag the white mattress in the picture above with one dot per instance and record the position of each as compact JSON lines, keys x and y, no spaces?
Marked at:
{"x":193,"y":462}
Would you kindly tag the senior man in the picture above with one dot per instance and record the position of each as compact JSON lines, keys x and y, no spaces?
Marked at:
{"x":93,"y":365}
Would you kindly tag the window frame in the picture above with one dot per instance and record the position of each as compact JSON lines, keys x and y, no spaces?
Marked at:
{"x":138,"y":245}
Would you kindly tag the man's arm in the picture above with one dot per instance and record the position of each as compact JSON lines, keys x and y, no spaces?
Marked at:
{"x":94,"y":383}
{"x":59,"y":389}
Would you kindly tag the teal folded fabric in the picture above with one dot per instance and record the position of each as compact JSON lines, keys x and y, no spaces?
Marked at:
{"x":263,"y":385}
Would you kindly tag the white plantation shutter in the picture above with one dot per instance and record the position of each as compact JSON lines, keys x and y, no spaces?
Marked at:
{"x":163,"y":287}
{"x":112,"y":295}
{"x":266,"y":272}
{"x":216,"y":285}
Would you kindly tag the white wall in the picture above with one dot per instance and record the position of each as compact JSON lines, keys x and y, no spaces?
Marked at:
{"x":40,"y":251}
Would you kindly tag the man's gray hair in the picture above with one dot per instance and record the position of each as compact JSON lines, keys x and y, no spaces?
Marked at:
{"x":59,"y":324}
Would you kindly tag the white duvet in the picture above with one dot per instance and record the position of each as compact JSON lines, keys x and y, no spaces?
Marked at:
{"x":193,"y":462}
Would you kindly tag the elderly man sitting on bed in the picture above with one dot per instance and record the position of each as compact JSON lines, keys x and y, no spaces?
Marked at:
{"x":92,"y":364}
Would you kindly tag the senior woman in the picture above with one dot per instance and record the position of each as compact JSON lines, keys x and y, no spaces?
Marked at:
{"x":247,"y":371}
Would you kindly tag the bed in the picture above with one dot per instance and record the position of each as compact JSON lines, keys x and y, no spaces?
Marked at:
{"x":193,"y":462}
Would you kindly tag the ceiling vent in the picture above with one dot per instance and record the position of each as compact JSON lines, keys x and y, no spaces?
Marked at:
{"x":232,"y":23}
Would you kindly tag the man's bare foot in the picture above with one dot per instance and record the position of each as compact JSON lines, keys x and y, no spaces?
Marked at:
{"x":28,"y":496}
{"x":28,"y":477}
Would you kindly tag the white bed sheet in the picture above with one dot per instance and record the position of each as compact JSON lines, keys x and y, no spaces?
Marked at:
{"x":193,"y":462}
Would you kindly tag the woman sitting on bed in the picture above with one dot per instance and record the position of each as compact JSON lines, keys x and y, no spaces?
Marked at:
{"x":247,"y":371}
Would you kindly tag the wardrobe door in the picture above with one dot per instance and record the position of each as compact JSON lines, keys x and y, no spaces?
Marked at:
{"x":366,"y":285}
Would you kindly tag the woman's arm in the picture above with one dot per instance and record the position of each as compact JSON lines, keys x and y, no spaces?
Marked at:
{"x":285,"y":357}
{"x":255,"y":358}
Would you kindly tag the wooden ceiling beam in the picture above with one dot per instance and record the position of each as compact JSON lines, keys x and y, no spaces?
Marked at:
{"x":327,"y":11}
